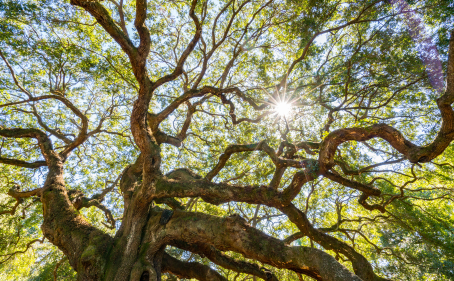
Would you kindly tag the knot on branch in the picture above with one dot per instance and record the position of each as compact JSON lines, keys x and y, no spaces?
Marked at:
{"x":183,"y":174}
{"x":166,"y":215}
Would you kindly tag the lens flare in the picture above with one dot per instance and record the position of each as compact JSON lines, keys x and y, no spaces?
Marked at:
{"x":283,"y":108}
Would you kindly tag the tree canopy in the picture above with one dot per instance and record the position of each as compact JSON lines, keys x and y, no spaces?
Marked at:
{"x":226,"y":140}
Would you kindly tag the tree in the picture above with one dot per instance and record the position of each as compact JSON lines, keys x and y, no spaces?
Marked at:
{"x":219,"y":140}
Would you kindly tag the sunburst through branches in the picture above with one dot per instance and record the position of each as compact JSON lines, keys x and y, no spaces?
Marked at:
{"x":282,"y":105}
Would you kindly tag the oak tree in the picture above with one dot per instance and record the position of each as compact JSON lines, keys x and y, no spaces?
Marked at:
{"x":226,"y":140}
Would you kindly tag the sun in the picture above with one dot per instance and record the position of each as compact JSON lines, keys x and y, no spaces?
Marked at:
{"x":282,"y":105}
{"x":283,"y":108}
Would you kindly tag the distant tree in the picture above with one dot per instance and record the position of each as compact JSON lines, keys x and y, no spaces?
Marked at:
{"x":226,"y":140}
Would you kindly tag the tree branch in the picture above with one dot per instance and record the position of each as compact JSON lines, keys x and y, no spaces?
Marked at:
{"x":217,"y":257}
{"x":217,"y":193}
{"x":234,"y":234}
{"x":83,"y":134}
{"x":179,"y":67}
{"x":29,"y":244}
{"x":105,"y":20}
{"x":21,"y":163}
{"x":412,"y":152}
{"x":189,"y":270}
{"x":361,"y":265}
{"x":44,"y":142}
{"x":309,"y":43}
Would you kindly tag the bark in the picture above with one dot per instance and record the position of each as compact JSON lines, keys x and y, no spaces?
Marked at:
{"x":189,"y":269}
{"x":217,"y":257}
{"x":234,"y":234}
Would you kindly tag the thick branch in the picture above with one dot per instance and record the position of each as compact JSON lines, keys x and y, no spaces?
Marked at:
{"x":234,"y":234}
{"x":145,"y":40}
{"x":293,"y":237}
{"x":14,"y":192}
{"x":217,"y":257}
{"x":44,"y":142}
{"x":189,"y":270}
{"x":217,"y":193}
{"x":21,"y":163}
{"x":353,"y":184}
{"x":105,"y":20}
